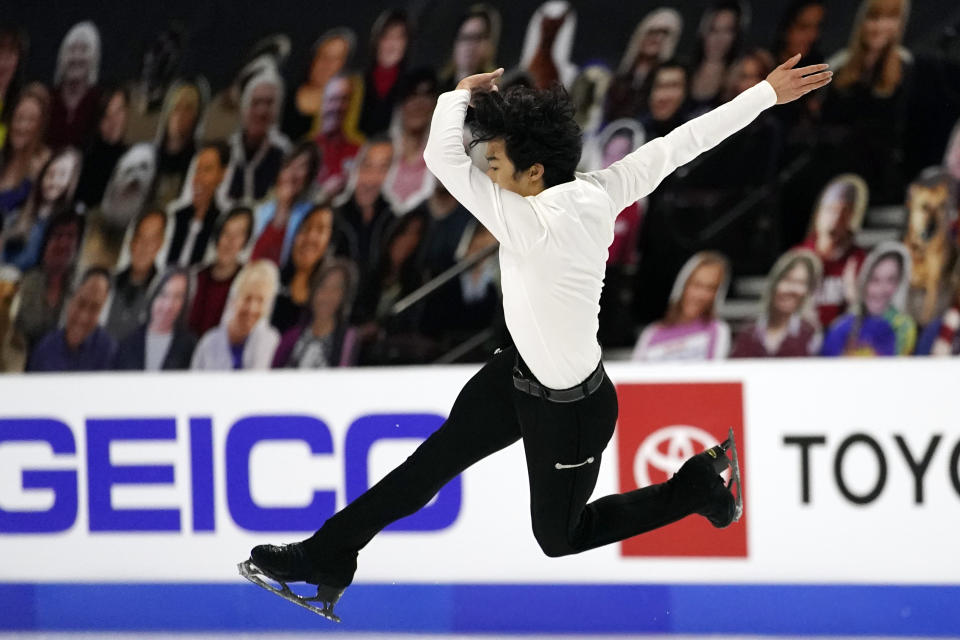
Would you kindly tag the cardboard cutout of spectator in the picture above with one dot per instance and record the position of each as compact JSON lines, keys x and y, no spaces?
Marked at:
{"x":930,"y":238}
{"x":589,"y":92}
{"x":691,"y":330}
{"x":44,"y":288}
{"x":52,"y":193}
{"x":476,"y":38}
{"x":135,"y":273}
{"x":799,"y":32}
{"x":14,"y":45}
{"x":362,"y":215}
{"x":942,"y":336}
{"x":13,"y":347}
{"x":163,"y":342}
{"x":25,"y":152}
{"x":213,"y":282}
{"x":158,"y":68}
{"x":278,"y":219}
{"x":548,"y":44}
{"x":244,"y":339}
{"x":325,"y":338}
{"x":331,"y":55}
{"x":719,"y":42}
{"x":951,"y":160}
{"x":309,"y":250}
{"x":194,"y":217}
{"x":73,"y":111}
{"x":878,"y":326}
{"x":127,"y":194}
{"x":653,"y":42}
{"x":665,"y":99}
{"x":838,"y":216}
{"x":409,"y":183}
{"x":787,"y":326}
{"x":179,"y":132}
{"x":257,"y":149}
{"x":81,"y":345}
{"x":224,"y":113}
{"x":865,"y":107}
{"x":103,"y":153}
{"x":337,"y":146}
{"x":389,"y":46}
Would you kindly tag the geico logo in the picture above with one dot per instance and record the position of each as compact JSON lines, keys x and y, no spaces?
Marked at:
{"x":666,"y":449}
{"x":917,"y":459}
{"x":102,"y":475}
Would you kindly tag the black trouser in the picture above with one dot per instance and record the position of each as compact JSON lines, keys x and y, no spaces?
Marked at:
{"x":559,"y":440}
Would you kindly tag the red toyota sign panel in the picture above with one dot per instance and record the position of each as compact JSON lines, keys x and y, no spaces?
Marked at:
{"x":660,"y":426}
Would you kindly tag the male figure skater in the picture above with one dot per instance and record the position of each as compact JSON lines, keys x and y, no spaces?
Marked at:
{"x":554,"y":228}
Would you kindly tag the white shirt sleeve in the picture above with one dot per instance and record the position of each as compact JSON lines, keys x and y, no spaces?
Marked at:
{"x":509,"y":216}
{"x":640,"y":172}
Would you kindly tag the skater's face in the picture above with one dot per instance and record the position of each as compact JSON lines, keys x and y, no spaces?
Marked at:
{"x":792,"y":289}
{"x":668,"y":92}
{"x":168,"y":304}
{"x":700,"y":291}
{"x":329,"y":295}
{"x":84,"y":309}
{"x":882,"y":285}
{"x":804,"y":30}
{"x":503,"y":172}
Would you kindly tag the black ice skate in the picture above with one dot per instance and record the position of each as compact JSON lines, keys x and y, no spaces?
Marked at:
{"x":724,"y":504}
{"x":289,"y":563}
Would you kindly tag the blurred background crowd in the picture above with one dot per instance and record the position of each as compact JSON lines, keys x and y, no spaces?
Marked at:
{"x":187,"y":201}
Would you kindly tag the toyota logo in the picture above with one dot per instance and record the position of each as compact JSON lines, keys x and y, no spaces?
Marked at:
{"x":667,"y":448}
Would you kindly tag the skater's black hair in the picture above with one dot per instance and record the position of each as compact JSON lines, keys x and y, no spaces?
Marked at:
{"x":536,"y":127}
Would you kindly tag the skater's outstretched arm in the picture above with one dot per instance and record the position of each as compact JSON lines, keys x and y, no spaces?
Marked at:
{"x":640,"y":172}
{"x":508,"y":216}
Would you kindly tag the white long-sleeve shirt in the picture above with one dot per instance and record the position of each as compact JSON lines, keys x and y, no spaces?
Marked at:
{"x":553,"y":246}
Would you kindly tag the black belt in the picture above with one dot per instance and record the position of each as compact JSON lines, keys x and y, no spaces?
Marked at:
{"x":529,"y":385}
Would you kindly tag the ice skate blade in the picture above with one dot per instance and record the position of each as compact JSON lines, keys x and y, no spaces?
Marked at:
{"x":254,"y":574}
{"x":735,"y":475}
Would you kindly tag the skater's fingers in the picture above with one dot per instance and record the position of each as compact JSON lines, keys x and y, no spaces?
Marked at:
{"x":816,"y":78}
{"x":813,"y":68}
{"x":821,"y":83}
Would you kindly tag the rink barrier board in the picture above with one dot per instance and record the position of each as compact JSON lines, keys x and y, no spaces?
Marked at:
{"x":929,"y":611}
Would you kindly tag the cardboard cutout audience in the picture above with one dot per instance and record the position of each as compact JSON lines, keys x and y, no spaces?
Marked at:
{"x":24,"y":152}
{"x":73,"y":109}
{"x":932,"y":242}
{"x":106,"y":147}
{"x":13,"y":347}
{"x":337,"y":146}
{"x":53,"y":192}
{"x":653,"y":42}
{"x":244,"y":338}
{"x":476,"y":38}
{"x":194,"y":220}
{"x":878,"y":325}
{"x":324,"y":337}
{"x":548,"y":43}
{"x":163,"y":341}
{"x":178,"y":134}
{"x":14,"y":44}
{"x":331,"y":55}
{"x":839,"y":214}
{"x":232,"y":233}
{"x":788,"y":326}
{"x":719,"y":42}
{"x":158,"y":69}
{"x":691,"y":329}
{"x":408,"y":182}
{"x":310,"y":243}
{"x":389,"y":45}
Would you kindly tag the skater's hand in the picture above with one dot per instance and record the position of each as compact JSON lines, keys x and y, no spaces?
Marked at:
{"x":791,"y":83}
{"x":481,"y":82}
